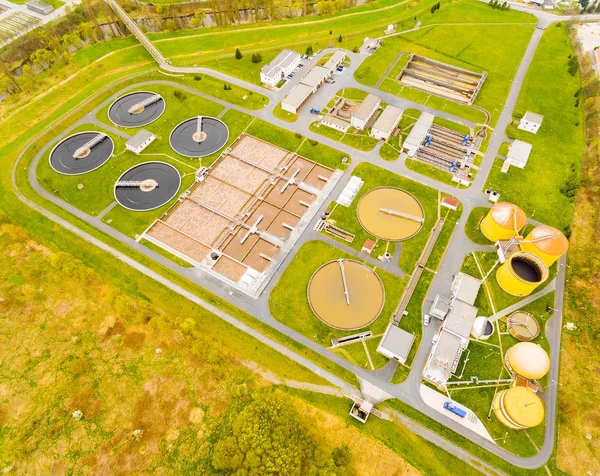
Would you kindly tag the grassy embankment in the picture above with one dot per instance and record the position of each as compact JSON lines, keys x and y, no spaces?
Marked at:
{"x":541,"y":189}
{"x":219,"y":43}
{"x":465,"y":45}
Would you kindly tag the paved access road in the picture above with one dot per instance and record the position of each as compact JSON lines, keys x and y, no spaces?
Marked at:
{"x":377,"y":381}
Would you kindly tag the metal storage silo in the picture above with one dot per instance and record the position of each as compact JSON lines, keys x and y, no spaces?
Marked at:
{"x":521,"y":274}
{"x":503,"y":221}
{"x":547,"y":243}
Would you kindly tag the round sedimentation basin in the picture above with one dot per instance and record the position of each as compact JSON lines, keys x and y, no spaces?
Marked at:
{"x":186,"y":141}
{"x":521,"y":274}
{"x":523,"y":326}
{"x":63,"y":162}
{"x":147,"y":186}
{"x":119,"y":111}
{"x":390,"y":214}
{"x":328,"y":299}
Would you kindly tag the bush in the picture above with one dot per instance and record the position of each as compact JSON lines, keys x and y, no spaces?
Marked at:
{"x":309,"y":50}
{"x":340,"y":39}
{"x":298,"y":135}
{"x":312,"y":142}
{"x":356,"y":49}
{"x":197,"y":77}
{"x":238,"y":54}
{"x":180,"y":95}
{"x":256,"y":58}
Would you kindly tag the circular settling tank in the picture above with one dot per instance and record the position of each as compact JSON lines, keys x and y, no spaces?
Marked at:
{"x":518,"y":408}
{"x":521,"y":274}
{"x":346,"y":294}
{"x":77,"y":154}
{"x":199,"y":136}
{"x":390,"y":214}
{"x":136,"y":109}
{"x":147,"y":186}
{"x":523,"y":326}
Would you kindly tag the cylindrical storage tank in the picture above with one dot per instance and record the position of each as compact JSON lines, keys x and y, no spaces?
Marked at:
{"x":521,"y":274}
{"x":503,"y":221}
{"x":482,"y":328}
{"x":528,"y":360}
{"x":547,"y":243}
{"x":518,"y":408}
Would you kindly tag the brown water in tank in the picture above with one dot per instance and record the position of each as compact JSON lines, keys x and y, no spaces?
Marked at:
{"x":526,"y":270}
{"x":328,"y":301}
{"x":384,"y":225}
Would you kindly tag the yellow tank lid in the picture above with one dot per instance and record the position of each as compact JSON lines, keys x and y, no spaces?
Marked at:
{"x":504,"y":213}
{"x":529,"y":360}
{"x":551,"y":241}
{"x":523,"y":406}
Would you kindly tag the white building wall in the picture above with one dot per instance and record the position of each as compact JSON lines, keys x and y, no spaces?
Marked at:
{"x":529,"y":126}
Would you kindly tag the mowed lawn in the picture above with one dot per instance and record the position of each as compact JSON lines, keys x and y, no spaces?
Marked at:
{"x":479,"y":47}
{"x":559,"y":144}
{"x":289,"y":303}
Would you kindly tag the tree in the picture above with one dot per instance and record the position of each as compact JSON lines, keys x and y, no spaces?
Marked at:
{"x":238,"y":54}
{"x":340,"y":39}
{"x":159,"y":9}
{"x":171,"y":25}
{"x":330,"y":32}
{"x":256,"y":58}
{"x":309,"y":51}
{"x":194,"y":22}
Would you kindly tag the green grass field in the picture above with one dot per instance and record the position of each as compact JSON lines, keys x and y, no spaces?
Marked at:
{"x":472,"y":229}
{"x":463,"y":45}
{"x":559,"y":144}
{"x":289,"y":304}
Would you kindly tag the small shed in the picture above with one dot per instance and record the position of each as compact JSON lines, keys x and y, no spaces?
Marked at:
{"x":450,"y":202}
{"x":518,"y":155}
{"x":368,"y":247}
{"x":396,"y":343}
{"x":531,"y":122}
{"x":140,"y":141}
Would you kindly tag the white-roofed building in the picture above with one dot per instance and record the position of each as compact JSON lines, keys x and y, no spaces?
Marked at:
{"x":282,"y":65}
{"x":336,"y":59}
{"x":386,"y":123}
{"x":531,"y":122}
{"x":335,"y":123}
{"x":518,"y":155}
{"x":396,"y":343}
{"x":365,"y":111}
{"x":316,"y":77}
{"x":417,"y":134}
{"x":465,"y":288}
{"x":140,"y":141}
{"x":296,"y":98}
{"x":453,"y":337}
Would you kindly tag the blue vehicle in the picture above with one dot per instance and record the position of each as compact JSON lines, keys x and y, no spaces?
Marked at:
{"x":454,"y":409}
{"x":340,"y":68}
{"x":428,"y":141}
{"x":315,"y":111}
{"x":465,"y":139}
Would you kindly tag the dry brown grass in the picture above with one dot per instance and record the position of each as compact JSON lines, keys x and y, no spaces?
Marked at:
{"x":370,"y":456}
{"x":579,"y":413}
{"x":71,"y":342}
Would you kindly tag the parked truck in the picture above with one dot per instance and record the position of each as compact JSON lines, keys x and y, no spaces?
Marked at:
{"x":454,"y":409}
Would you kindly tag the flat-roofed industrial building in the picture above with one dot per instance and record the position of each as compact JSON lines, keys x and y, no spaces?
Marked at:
{"x":386,"y":123}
